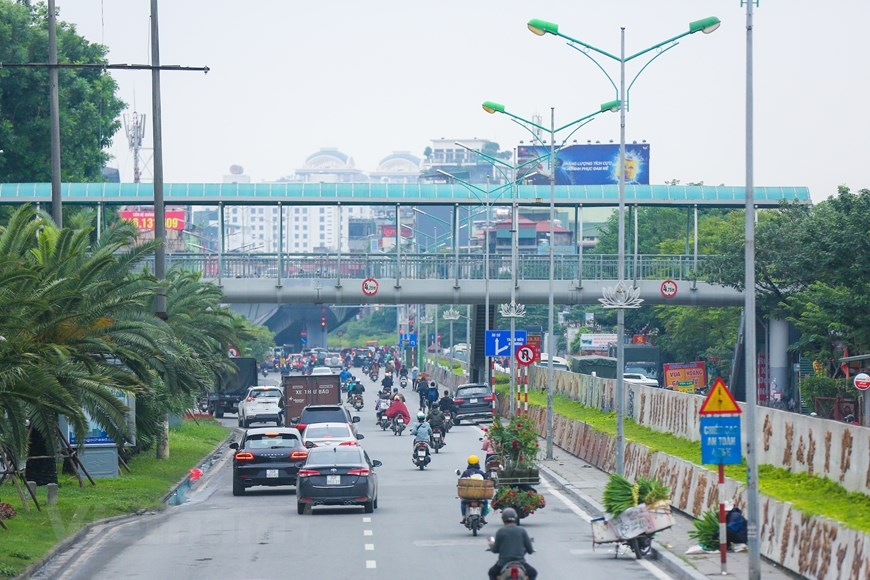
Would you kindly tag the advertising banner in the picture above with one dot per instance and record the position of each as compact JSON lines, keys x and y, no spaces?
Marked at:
{"x":592,"y":341}
{"x":685,"y":377}
{"x":596,"y":164}
{"x":144,"y":219}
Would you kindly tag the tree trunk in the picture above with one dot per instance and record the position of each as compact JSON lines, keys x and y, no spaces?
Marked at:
{"x":42,"y":471}
{"x":162,"y":447}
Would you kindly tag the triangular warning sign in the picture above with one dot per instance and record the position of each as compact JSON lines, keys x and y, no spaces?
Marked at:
{"x":719,"y":401}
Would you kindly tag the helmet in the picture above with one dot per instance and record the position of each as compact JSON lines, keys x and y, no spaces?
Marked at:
{"x":473,"y":460}
{"x":421,"y":416}
{"x":508,"y":515}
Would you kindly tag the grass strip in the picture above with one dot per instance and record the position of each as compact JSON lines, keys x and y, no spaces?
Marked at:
{"x":31,"y":535}
{"x":812,"y":495}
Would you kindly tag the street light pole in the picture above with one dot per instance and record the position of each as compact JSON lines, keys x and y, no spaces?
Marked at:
{"x":451,"y":315}
{"x":620,"y":297}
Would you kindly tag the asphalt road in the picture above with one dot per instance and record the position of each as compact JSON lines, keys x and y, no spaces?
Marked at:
{"x":415,"y":533}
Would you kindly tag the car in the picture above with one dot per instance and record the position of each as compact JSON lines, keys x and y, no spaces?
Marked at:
{"x":334,"y":360}
{"x":270,"y":456}
{"x":559,"y":363}
{"x":640,"y":378}
{"x":325,"y":414}
{"x":322,"y":371}
{"x":473,"y":400}
{"x":260,"y":405}
{"x":340,"y":475}
{"x":329,"y":434}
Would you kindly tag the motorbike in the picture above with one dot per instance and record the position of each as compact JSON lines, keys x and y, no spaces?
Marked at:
{"x":366,"y":367}
{"x":357,"y":402}
{"x":492,"y":467}
{"x":403,"y":382}
{"x":437,"y":439}
{"x":398,"y":425}
{"x":373,"y":374}
{"x":383,"y":422}
{"x":421,"y":456}
{"x":448,"y":421}
{"x":513,"y":571}
{"x":474,"y":515}
{"x":265,"y":372}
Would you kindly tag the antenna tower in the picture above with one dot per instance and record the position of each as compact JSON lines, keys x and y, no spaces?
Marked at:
{"x":135,"y":130}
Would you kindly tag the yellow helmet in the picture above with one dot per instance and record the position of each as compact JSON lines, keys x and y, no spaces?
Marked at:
{"x":473,"y":460}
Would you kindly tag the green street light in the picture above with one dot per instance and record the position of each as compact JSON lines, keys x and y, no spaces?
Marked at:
{"x":492,"y":107}
{"x":620,"y":297}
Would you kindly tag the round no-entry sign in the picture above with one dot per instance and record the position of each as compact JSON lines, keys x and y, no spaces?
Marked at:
{"x":370,"y":286}
{"x":526,"y":354}
{"x":861,"y":381}
{"x":669,"y":288}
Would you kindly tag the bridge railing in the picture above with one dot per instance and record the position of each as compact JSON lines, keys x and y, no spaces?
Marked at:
{"x":442,"y":266}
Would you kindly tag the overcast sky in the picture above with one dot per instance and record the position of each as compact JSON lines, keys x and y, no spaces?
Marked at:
{"x":372,"y":77}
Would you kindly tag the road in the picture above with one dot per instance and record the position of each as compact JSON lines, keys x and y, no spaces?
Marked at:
{"x":415,"y":533}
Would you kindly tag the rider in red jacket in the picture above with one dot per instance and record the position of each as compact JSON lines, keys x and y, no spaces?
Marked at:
{"x":398,"y":408}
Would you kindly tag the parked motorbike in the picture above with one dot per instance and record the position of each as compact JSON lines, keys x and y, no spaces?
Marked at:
{"x":437,"y":439}
{"x":398,"y":425}
{"x":357,"y":402}
{"x":421,"y":456}
{"x":403,"y":382}
{"x":474,"y":515}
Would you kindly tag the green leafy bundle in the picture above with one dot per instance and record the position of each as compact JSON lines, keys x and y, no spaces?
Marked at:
{"x":651,"y":491}
{"x":620,"y":494}
{"x":706,"y":531}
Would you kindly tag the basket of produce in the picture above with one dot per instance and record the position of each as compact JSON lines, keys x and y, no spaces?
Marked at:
{"x":468,"y":488}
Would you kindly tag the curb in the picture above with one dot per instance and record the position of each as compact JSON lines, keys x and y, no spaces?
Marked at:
{"x":87,"y":528}
{"x":665,"y":560}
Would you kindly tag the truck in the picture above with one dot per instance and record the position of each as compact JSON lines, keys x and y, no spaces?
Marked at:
{"x":232,"y":387}
{"x":303,"y":390}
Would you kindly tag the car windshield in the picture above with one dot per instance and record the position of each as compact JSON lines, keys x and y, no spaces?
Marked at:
{"x":472,"y":391}
{"x":324,"y":431}
{"x":271,"y":440}
{"x":323,"y":416}
{"x":265,"y":393}
{"x":335,"y":456}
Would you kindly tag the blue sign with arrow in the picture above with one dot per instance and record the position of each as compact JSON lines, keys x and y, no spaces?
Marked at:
{"x":498,"y":342}
{"x":408,"y":339}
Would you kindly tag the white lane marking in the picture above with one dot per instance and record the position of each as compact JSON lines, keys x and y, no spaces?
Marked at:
{"x":367,"y":520}
{"x":652,"y":569}
{"x":568,"y":503}
{"x":371,"y":564}
{"x":368,"y":533}
{"x":370,"y":547}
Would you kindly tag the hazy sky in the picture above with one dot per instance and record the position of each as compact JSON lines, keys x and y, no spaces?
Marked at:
{"x":373,"y":77}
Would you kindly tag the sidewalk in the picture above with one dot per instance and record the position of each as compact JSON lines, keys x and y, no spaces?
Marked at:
{"x":585,"y":484}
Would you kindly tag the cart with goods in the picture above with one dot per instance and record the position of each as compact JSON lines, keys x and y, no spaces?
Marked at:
{"x":516,"y":444}
{"x":635,"y":512}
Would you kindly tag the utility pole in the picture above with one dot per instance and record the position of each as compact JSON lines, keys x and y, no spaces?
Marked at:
{"x":54,"y":113}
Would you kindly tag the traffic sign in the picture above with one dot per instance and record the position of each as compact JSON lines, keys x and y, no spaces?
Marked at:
{"x":408,"y":339}
{"x":861,"y":381}
{"x":498,"y":342}
{"x":526,"y":354}
{"x":669,"y":289}
{"x":232,"y":351}
{"x":719,"y":401}
{"x":720,"y":440}
{"x":370,"y":286}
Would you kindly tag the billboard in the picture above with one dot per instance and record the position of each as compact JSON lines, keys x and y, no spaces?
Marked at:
{"x":144,"y":219}
{"x":685,"y":377}
{"x":596,"y":341}
{"x":596,"y":164}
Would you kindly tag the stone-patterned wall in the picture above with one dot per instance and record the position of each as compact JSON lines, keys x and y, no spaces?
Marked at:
{"x":814,"y":547}
{"x":789,"y":440}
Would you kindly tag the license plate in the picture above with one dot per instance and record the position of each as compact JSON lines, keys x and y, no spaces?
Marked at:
{"x":436,"y":435}
{"x":333,"y":480}
{"x":271,"y":473}
{"x":473,"y":400}
{"x":474,"y":511}
{"x":421,"y":454}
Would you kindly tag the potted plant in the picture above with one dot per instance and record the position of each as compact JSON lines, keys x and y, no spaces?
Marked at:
{"x":517,"y":443}
{"x":523,"y":499}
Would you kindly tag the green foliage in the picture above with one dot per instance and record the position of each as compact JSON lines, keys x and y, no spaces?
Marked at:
{"x":525,"y":501}
{"x":813,"y":386}
{"x":706,"y":530}
{"x":516,"y":442}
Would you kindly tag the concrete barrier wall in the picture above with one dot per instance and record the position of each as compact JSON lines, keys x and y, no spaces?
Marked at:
{"x":811,"y":546}
{"x":799,"y":443}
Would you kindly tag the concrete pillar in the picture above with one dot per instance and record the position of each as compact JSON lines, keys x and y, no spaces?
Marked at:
{"x":778,"y":341}
{"x":51,"y":498}
{"x":31,"y":485}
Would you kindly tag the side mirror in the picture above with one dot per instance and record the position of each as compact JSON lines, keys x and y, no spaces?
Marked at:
{"x":458,"y":473}
{"x":376,"y":463}
{"x":355,"y":419}
{"x":360,"y":436}
{"x":234,"y":445}
{"x":309,"y":444}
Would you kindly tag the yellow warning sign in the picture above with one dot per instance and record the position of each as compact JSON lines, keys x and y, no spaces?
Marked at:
{"x":719,"y":401}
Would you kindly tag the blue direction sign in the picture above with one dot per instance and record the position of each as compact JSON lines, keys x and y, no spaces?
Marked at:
{"x":408,"y":339}
{"x":498,"y":342}
{"x":720,"y":440}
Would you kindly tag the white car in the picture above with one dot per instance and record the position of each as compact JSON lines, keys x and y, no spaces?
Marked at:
{"x":329,"y":435}
{"x":322,"y":371}
{"x":260,"y":405}
{"x":640,"y":378}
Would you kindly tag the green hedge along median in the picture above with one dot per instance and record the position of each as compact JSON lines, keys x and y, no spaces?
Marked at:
{"x":31,"y":535}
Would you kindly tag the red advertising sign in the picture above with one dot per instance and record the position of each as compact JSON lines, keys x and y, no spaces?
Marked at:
{"x":144,"y":219}
{"x":390,"y":231}
{"x":685,"y":377}
{"x":534,"y":340}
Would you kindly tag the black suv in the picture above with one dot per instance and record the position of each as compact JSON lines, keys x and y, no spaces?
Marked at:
{"x":325,"y":414}
{"x":473,"y":400}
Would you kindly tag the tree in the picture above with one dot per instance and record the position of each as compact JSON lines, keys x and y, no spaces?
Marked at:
{"x":89,"y":109}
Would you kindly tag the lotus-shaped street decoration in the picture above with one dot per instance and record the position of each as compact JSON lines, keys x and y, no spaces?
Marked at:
{"x":620,"y":296}
{"x":513,"y":310}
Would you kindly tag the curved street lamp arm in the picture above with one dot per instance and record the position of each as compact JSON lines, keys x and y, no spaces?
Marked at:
{"x":643,"y":68}
{"x":598,"y":64}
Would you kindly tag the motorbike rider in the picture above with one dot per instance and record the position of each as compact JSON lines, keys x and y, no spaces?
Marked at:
{"x":387,"y":381}
{"x":446,"y":403}
{"x":432,"y":394}
{"x":345,"y":375}
{"x":436,"y":421}
{"x":354,"y":387}
{"x":396,"y":393}
{"x":398,"y":409}
{"x":384,"y":400}
{"x":422,"y":388}
{"x":422,"y":431}
{"x":414,"y":373}
{"x":473,"y":470}
{"x":511,"y":543}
